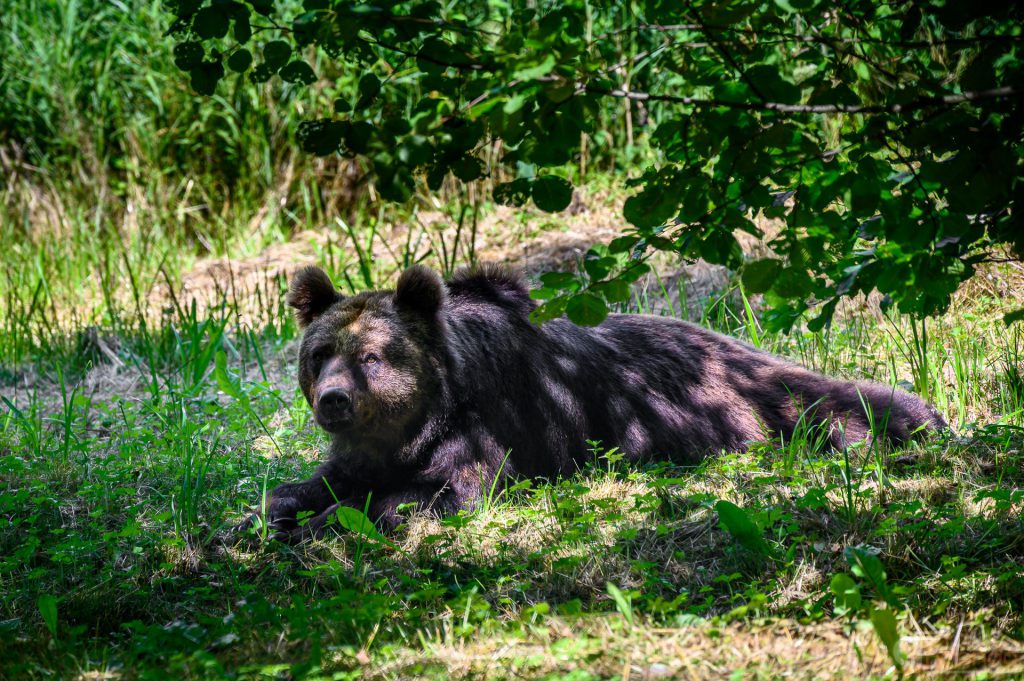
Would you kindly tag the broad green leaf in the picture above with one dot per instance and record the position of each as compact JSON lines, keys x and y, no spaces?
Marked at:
{"x":542,"y":68}
{"x":884,"y":623}
{"x":868,"y":567}
{"x":276,"y":54}
{"x":623,"y":244}
{"x":47,"y":604}
{"x":515,"y":193}
{"x":559,"y":280}
{"x":188,"y":55}
{"x":298,"y":71}
{"x":650,"y":208}
{"x":551,"y":193}
{"x":742,"y":528}
{"x":552,"y":309}
{"x":357,"y":136}
{"x":204,"y":78}
{"x":758,"y":276}
{"x":240,"y":60}
{"x":243,"y":27}
{"x":225,"y":381}
{"x":321,"y":137}
{"x":846,"y":592}
{"x":586,"y":309}
{"x":615,"y":290}
{"x":211,"y":22}
{"x":467,"y":168}
{"x":622,"y":602}
{"x":369,"y":86}
{"x":770,"y":83}
{"x":355,"y":521}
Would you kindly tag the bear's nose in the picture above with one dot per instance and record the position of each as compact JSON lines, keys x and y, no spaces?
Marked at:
{"x":335,"y":404}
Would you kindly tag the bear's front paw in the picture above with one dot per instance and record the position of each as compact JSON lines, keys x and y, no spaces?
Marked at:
{"x":308,"y":527}
{"x":279,"y":516}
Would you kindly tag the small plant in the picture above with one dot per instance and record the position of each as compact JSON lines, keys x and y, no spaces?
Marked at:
{"x":743,"y":529}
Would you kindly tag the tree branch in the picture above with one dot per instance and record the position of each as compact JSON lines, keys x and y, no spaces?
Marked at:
{"x":914,"y":105}
{"x":470,"y":66}
{"x":799,"y":38}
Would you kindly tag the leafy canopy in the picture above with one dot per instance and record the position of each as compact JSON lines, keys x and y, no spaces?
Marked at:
{"x":885,"y":138}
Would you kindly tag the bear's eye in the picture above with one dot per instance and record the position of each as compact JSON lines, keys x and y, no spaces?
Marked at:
{"x":370,"y":358}
{"x":319,"y":357}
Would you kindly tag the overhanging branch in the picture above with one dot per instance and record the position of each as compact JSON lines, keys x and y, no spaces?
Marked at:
{"x":913,"y":105}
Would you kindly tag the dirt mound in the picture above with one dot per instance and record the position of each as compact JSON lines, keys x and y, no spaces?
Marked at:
{"x":526,"y":238}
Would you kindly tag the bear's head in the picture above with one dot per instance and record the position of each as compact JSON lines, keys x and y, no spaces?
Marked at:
{"x":369,"y":365}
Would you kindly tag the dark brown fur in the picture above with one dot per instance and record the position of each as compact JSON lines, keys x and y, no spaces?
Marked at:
{"x":443,"y":386}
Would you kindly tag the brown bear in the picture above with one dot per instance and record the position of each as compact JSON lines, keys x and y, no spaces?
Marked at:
{"x":435,"y":388}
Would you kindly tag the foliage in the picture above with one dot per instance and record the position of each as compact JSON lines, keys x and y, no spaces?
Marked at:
{"x":886,"y":137}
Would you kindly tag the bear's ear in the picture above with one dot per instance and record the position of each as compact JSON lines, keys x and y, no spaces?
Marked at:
{"x":311,"y":294}
{"x":420,"y":289}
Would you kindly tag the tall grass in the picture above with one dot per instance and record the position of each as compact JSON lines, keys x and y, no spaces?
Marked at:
{"x":114,"y":176}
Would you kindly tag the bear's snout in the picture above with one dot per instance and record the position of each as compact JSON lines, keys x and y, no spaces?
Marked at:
{"x":334,"y":408}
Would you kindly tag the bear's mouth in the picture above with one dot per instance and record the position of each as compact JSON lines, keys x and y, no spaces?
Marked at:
{"x":336,"y":423}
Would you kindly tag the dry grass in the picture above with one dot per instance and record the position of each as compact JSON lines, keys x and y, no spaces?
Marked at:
{"x":608,"y":648}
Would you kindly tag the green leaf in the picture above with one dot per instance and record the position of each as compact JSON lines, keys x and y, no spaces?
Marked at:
{"x":357,"y":137}
{"x":596,"y":266}
{"x":47,"y":604}
{"x":320,"y":137}
{"x":586,"y":309}
{"x":884,"y":623}
{"x":355,"y":521}
{"x":298,"y":71}
{"x":622,"y":602}
{"x":515,"y":193}
{"x":552,"y":309}
{"x":262,"y":73}
{"x":211,"y":22}
{"x":369,"y":86}
{"x":770,"y":83}
{"x":188,"y":55}
{"x":243,"y":28}
{"x":542,"y":68}
{"x":652,"y":207}
{"x":868,"y":567}
{"x":615,"y":290}
{"x":225,"y":381}
{"x":551,"y":193}
{"x":467,"y":168}
{"x":276,"y":54}
{"x":846,"y":592}
{"x":758,"y":276}
{"x":623,"y":244}
{"x":742,"y":528}
{"x":559,"y":280}
{"x":204,"y":78}
{"x":435,"y":176}
{"x":240,"y":60}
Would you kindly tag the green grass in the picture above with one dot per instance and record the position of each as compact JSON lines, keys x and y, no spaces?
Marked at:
{"x":121,"y":477}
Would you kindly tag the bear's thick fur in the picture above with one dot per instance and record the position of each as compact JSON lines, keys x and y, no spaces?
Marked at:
{"x":433,"y":389}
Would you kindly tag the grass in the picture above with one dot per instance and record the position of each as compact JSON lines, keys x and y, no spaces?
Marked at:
{"x":123,"y":470}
